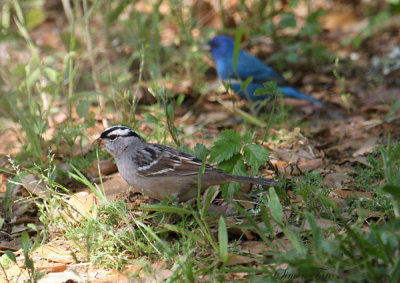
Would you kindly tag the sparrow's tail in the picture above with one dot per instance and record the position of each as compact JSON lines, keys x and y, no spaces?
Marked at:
{"x":294,"y":93}
{"x":247,"y":180}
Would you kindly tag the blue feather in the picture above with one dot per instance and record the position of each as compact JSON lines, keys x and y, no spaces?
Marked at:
{"x":249,"y":66}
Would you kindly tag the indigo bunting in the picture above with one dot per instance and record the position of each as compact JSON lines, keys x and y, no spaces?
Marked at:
{"x":222,"y":47}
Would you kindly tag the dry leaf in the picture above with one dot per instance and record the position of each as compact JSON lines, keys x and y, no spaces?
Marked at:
{"x":59,"y":267}
{"x":339,"y":201}
{"x":55,"y":254}
{"x":369,"y":213}
{"x":82,"y":203}
{"x":367,"y":147}
{"x":6,"y":246}
{"x":343,"y":193}
{"x":34,"y":186}
{"x":107,"y":167}
{"x":337,"y":180}
{"x":321,"y":223}
{"x":115,"y":185}
{"x":309,"y":165}
{"x":253,"y":247}
{"x":362,"y":160}
{"x":67,"y":276}
{"x":240,"y":259}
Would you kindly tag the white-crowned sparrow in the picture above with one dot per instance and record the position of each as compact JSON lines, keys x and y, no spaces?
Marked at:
{"x":159,"y":171}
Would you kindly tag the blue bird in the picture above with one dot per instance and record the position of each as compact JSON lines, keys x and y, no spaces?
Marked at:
{"x":248,"y":66}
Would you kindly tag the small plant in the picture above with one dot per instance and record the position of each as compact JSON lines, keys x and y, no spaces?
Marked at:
{"x":390,"y":157}
{"x":230,"y":150}
{"x":344,"y":95}
{"x":28,"y":248}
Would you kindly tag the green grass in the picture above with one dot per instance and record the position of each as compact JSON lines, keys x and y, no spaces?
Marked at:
{"x":121,"y":72}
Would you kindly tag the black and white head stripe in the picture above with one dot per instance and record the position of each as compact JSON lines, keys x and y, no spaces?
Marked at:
{"x":118,"y":131}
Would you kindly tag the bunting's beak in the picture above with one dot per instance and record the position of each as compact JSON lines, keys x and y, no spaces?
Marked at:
{"x":98,"y":141}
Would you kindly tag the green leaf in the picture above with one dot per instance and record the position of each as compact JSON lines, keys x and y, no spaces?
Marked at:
{"x":270,"y":88}
{"x":245,"y":84}
{"x":86,"y":95}
{"x":293,"y":3}
{"x":275,"y":206}
{"x":267,"y":222}
{"x":288,"y":20}
{"x":292,"y":57}
{"x":316,"y":231}
{"x":393,"y":108}
{"x":5,"y":261}
{"x":165,"y":208}
{"x":226,"y":146}
{"x":34,"y":18}
{"x":149,"y":118}
{"x":5,"y":15}
{"x":114,"y":14}
{"x":170,"y":111}
{"x":223,"y":240}
{"x":180,"y":100}
{"x":234,"y":165}
{"x":32,"y":77}
{"x":236,"y":48}
{"x":255,"y":155}
{"x":228,"y":190}
{"x":248,"y":136}
{"x":82,"y":108}
{"x":200,"y":151}
{"x":260,"y":91}
{"x":51,"y":74}
{"x":26,"y":245}
{"x":11,"y":255}
{"x":294,"y":239}
{"x":1,"y":222}
{"x":393,"y":190}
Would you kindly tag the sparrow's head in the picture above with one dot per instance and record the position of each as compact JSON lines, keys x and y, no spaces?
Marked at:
{"x":221,"y":46}
{"x":117,"y":138}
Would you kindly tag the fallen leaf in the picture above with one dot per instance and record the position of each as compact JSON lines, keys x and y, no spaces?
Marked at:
{"x":240,"y":259}
{"x":339,"y":201}
{"x":337,"y":180}
{"x":66,"y":276}
{"x":321,"y":223}
{"x":83,"y":202}
{"x":253,"y":247}
{"x":225,"y":209}
{"x":344,"y":193}
{"x":362,"y":160}
{"x":22,"y":220}
{"x":53,"y":267}
{"x":367,"y":147}
{"x":244,"y":200}
{"x":115,"y":185}
{"x":31,"y":183}
{"x":107,"y":167}
{"x":55,"y":254}
{"x":309,"y":165}
{"x":285,"y":168}
{"x":4,"y":246}
{"x":369,"y":213}
{"x":239,"y":231}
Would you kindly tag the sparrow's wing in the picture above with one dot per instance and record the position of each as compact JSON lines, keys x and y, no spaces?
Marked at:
{"x":158,"y":160}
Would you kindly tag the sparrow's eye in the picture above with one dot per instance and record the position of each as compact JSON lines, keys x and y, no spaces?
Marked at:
{"x":112,"y":137}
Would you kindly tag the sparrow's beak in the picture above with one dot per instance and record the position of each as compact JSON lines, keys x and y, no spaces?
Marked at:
{"x":206,"y":47}
{"x":98,"y":141}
